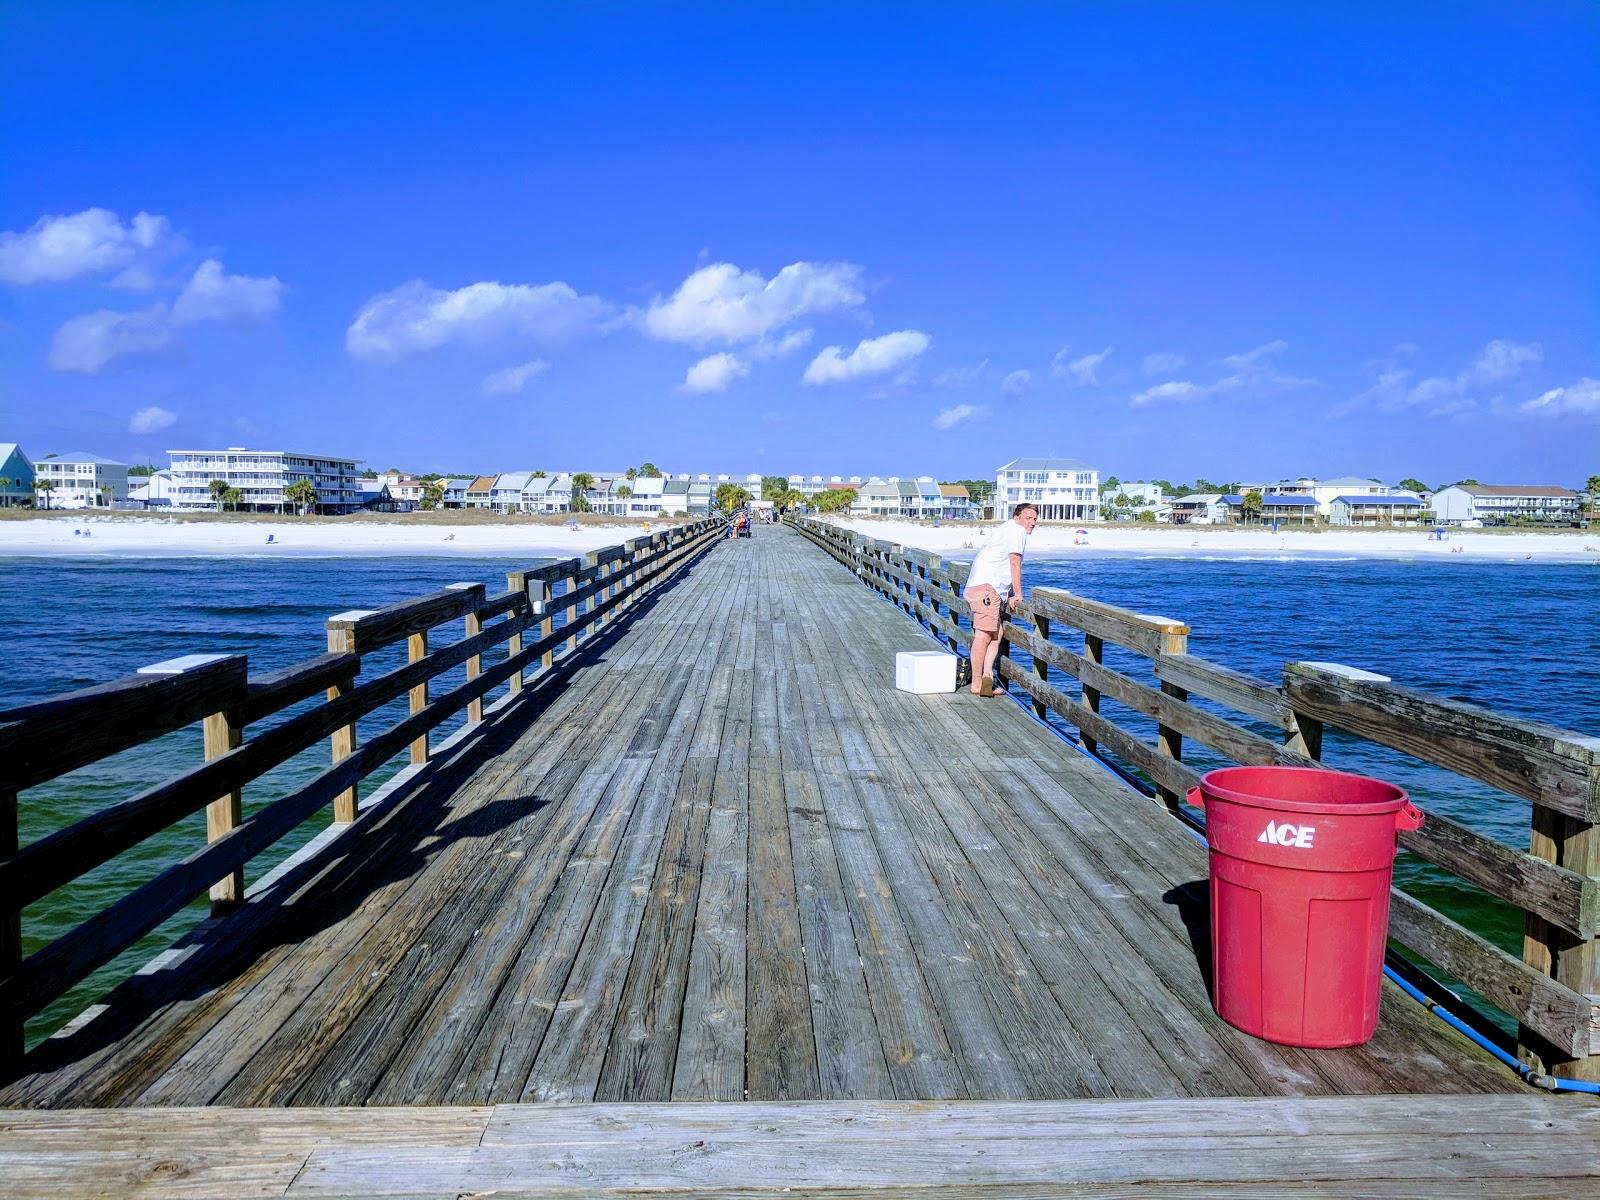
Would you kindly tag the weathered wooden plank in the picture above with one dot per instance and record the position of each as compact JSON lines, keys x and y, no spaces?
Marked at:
{"x":1245,"y":693}
{"x":780,"y":1056}
{"x":277,"y":690}
{"x":48,"y":738}
{"x":395,"y":622}
{"x":1537,"y":762}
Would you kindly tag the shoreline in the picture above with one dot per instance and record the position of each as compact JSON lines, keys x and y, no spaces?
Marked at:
{"x":1239,"y":543}
{"x":123,"y":536}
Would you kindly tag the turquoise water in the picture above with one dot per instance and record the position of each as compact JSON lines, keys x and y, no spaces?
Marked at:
{"x":1517,"y":637}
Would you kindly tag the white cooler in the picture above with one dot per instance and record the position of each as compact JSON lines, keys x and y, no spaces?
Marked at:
{"x":925,"y":671}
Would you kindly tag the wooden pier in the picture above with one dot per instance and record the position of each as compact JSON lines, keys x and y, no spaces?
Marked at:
{"x":692,"y":848}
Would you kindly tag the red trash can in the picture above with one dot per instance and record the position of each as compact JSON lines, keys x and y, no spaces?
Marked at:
{"x":1301,"y":863}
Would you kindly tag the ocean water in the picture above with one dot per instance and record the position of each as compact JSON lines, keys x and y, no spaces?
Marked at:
{"x":1516,"y":637}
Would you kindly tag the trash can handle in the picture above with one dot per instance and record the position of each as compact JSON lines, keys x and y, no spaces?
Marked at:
{"x":1409,"y":817}
{"x":1196,"y":797}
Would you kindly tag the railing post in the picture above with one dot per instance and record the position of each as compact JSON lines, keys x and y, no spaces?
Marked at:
{"x":568,"y":585}
{"x":1564,"y":956}
{"x":223,"y":733}
{"x":12,"y":1041}
{"x":1305,"y":736}
{"x":548,"y":625}
{"x":1169,"y":740}
{"x":416,"y":650}
{"x":1094,"y":649}
{"x":516,"y":581}
{"x":473,"y":627}
{"x":1041,"y":668}
{"x":342,"y":640}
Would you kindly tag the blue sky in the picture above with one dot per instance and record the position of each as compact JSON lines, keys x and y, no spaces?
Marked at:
{"x":1174,"y":240}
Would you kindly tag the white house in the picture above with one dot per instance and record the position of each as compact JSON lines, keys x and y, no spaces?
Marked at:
{"x":1498,"y":503}
{"x":1326,"y":491}
{"x":1392,"y":509}
{"x":153,"y":490}
{"x":81,"y":480}
{"x":1062,"y":489}
{"x":1205,"y":508}
{"x":506,"y":495}
{"x":648,"y":497}
{"x":263,"y":476}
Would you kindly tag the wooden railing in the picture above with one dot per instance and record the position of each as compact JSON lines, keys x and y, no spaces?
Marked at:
{"x":1552,"y":991}
{"x":544,"y":614}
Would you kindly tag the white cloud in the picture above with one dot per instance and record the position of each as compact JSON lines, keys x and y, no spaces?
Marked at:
{"x":766,"y":349}
{"x":958,"y":377}
{"x":212,"y":295}
{"x":1016,"y":383}
{"x":1251,"y":376}
{"x":1444,"y":395}
{"x":86,"y":345}
{"x":416,"y":316}
{"x":960,"y":414}
{"x":1250,"y":358}
{"x":509,"y":380}
{"x":721,"y":303}
{"x":56,"y":249}
{"x":1581,"y":399}
{"x":151,"y":419}
{"x":713,"y":374}
{"x":1161,"y":364}
{"x":1175,"y":392}
{"x":1079,"y":370}
{"x":874,"y":356}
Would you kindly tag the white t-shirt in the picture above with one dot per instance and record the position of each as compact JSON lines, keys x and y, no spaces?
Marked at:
{"x":993,"y":563}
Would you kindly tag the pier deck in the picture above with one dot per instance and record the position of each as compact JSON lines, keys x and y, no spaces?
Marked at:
{"x":720,"y":858}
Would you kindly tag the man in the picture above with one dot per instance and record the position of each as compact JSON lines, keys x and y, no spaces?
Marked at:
{"x":993,"y":587}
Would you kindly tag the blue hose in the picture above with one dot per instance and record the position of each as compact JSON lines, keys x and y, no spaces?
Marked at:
{"x":1538,"y":1079}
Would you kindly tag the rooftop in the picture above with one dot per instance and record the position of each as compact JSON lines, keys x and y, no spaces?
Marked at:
{"x":1517,"y":489}
{"x":1045,"y":464}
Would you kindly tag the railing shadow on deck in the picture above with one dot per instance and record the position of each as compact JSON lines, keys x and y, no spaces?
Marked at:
{"x":576,"y":609}
{"x":1551,"y":992}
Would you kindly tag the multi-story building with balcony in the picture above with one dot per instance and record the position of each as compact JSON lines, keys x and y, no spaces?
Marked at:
{"x":1062,"y":489}
{"x":1503,"y":503}
{"x":80,"y":480}
{"x":262,"y":477}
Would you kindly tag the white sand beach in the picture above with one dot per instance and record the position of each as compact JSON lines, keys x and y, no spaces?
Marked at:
{"x":1158,"y":541}
{"x":159,"y":537}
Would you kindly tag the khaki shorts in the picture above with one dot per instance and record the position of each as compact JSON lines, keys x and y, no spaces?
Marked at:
{"x":987,"y":608}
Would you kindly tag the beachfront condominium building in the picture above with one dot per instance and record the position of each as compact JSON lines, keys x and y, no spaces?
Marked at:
{"x":262,"y":478}
{"x":16,"y":476}
{"x":1062,"y":489}
{"x":80,"y":480}
{"x":1507,"y":503}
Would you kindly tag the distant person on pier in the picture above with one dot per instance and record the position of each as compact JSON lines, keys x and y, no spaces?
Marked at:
{"x":995,"y":586}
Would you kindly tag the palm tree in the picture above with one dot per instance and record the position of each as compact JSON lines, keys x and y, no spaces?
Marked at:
{"x":218,"y":489}
{"x":302,"y":493}
{"x":731,"y":496}
{"x":432,"y":494}
{"x":1251,"y":504}
{"x":633,"y":473}
{"x":538,"y":475}
{"x":233,"y":497}
{"x":791,"y":500}
{"x":581,"y":483}
{"x":649,"y":471}
{"x":43,"y":488}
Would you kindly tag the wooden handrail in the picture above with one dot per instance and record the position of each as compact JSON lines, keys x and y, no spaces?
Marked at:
{"x":1553,"y":990}
{"x":117,"y":716}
